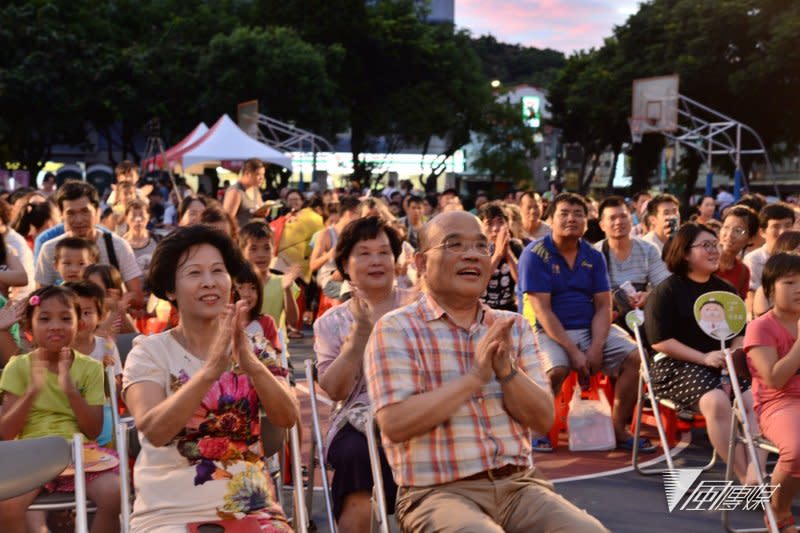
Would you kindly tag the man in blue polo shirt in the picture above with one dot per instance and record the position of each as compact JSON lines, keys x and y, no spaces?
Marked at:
{"x":567,"y":283}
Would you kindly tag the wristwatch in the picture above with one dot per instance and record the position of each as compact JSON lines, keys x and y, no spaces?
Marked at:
{"x":510,"y":375}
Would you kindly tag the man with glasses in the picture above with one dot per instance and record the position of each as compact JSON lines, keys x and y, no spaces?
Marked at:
{"x":78,"y":202}
{"x":567,"y":282}
{"x":457,"y":388}
{"x":739,"y":226}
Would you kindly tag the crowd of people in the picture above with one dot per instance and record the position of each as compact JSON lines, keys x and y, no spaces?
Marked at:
{"x":455,"y":328}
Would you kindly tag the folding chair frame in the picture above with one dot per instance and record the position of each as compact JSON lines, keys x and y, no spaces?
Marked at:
{"x":741,"y":423}
{"x":318,"y":446}
{"x":644,"y":379}
{"x":379,"y":520}
{"x":300,"y":516}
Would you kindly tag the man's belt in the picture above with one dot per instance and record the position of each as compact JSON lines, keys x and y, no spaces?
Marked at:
{"x":497,"y":473}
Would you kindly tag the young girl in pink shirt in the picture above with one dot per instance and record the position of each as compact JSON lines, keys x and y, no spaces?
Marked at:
{"x":773,"y":356}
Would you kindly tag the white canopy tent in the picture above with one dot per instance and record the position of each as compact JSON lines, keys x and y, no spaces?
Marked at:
{"x":225,"y":141}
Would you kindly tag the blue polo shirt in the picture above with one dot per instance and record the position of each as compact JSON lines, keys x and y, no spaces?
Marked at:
{"x":542,"y":268}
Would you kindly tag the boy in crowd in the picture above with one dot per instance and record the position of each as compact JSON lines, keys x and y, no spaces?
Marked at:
{"x":280,"y":291}
{"x":73,"y":255}
{"x":773,"y":220}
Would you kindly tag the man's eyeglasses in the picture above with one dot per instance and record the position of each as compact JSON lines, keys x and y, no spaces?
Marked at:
{"x":708,"y":246}
{"x":459,"y":247}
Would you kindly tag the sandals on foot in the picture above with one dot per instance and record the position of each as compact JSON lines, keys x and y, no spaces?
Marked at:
{"x":542,"y":445}
{"x":645,"y":446}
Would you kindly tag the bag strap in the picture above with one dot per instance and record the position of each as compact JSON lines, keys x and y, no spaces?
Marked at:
{"x":607,"y":253}
{"x":112,"y":254}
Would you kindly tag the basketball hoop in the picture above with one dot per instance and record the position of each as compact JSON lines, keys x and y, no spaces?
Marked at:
{"x":641,"y":125}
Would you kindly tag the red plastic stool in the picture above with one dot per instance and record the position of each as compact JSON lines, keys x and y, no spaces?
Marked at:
{"x":673,"y":425}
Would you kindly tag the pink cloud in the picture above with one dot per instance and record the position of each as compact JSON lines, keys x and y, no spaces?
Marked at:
{"x":565,"y":25}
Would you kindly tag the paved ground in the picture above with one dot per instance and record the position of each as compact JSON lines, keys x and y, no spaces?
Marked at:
{"x":623,"y":502}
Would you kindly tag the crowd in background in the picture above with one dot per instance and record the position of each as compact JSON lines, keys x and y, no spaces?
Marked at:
{"x":134,"y":259}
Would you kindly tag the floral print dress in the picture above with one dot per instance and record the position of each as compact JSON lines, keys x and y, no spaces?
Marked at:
{"x":212,"y":470}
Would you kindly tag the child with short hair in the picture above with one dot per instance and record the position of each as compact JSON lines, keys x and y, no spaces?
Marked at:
{"x":280,"y":291}
{"x":117,"y":300}
{"x":55,"y":390}
{"x":91,"y":300}
{"x":773,"y":357}
{"x":72,"y":256}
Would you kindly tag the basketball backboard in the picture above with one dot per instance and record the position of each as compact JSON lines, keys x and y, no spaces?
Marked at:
{"x":654,"y":104}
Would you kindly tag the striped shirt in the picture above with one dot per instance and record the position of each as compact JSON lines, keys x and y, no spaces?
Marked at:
{"x":416,"y":349}
{"x":643,"y":265}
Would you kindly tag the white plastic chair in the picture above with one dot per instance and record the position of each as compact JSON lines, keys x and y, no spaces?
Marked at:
{"x":317,"y":449}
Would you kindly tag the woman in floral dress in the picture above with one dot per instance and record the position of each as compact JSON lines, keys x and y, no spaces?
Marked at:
{"x":195,"y":392}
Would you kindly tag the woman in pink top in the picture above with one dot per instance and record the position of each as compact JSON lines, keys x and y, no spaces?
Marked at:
{"x":773,"y":356}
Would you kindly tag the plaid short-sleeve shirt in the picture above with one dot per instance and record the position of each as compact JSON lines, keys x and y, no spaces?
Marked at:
{"x":416,"y":349}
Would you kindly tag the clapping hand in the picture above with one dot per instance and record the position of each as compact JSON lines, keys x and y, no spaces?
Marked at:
{"x":243,"y":352}
{"x":38,"y":373}
{"x":492,"y":352}
{"x":220,"y":357}
{"x":11,"y":313}
{"x":291,"y":274}
{"x":366,"y":313}
{"x":64,"y":364}
{"x":501,"y":242}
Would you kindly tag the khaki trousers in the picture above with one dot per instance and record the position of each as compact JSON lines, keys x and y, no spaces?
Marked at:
{"x":523,"y":502}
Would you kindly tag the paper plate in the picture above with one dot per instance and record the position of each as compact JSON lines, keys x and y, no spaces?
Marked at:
{"x":94,"y":460}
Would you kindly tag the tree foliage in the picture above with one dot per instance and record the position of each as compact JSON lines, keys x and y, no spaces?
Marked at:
{"x":736,"y":56}
{"x":515,"y":64}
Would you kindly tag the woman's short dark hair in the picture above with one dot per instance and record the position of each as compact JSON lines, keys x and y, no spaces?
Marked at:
{"x":363,"y":229}
{"x":747,"y":214}
{"x":187,"y":201}
{"x":170,"y":250}
{"x":492,"y":210}
{"x":248,"y":275}
{"x":678,"y":247}
{"x":778,"y":266}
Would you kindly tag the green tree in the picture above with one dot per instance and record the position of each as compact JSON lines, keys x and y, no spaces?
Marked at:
{"x":506,"y":144}
{"x":401,"y":80}
{"x":515,"y":64}
{"x":274,"y":65}
{"x":46,"y":78}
